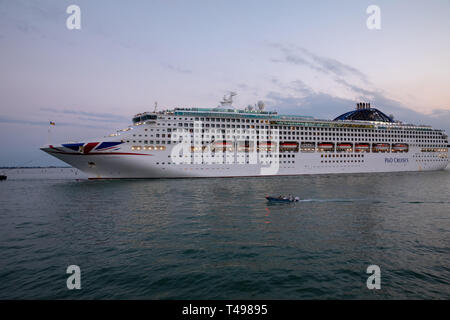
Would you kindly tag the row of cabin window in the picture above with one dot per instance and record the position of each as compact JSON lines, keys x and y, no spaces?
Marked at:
{"x":407,"y":132}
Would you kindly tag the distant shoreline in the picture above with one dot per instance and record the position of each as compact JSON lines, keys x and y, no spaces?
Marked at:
{"x":44,"y":173}
{"x":46,"y":167}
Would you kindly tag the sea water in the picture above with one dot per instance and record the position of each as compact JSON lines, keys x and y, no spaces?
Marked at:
{"x":220,"y":238}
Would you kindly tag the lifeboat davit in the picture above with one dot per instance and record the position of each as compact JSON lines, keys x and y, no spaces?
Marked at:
{"x":399,"y":147}
{"x":289,"y":145}
{"x":362,"y":147}
{"x":345,"y":146}
{"x":381,"y":147}
{"x":326,"y":145}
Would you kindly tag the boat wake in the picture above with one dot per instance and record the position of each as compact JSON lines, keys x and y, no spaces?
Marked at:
{"x":365,"y":201}
{"x":338,"y":200}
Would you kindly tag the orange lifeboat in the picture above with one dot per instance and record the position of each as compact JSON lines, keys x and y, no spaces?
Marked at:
{"x":362,"y":147}
{"x":325,"y":146}
{"x":380,"y":147}
{"x":400,"y":147}
{"x":344,"y":146}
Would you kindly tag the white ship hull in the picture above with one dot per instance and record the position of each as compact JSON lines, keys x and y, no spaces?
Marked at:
{"x":149,"y":165}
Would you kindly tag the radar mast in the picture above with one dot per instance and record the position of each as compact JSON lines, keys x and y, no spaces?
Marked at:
{"x":227,"y":100}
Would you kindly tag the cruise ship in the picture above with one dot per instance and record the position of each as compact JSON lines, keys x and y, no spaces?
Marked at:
{"x":228,"y":142}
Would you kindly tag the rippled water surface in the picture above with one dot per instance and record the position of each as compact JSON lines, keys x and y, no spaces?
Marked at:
{"x":220,"y":239}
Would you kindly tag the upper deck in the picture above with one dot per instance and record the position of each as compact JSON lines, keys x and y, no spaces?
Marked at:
{"x":273,"y":118}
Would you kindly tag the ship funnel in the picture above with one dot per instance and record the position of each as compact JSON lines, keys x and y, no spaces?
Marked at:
{"x":362,"y":105}
{"x":260,"y":105}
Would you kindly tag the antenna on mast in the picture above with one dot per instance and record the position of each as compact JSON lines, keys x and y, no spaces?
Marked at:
{"x":156,"y":105}
{"x":228,"y":100}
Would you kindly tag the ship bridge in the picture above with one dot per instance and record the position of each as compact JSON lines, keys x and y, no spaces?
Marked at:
{"x":143,"y":117}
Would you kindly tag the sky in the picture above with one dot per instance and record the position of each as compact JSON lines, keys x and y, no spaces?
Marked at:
{"x":315,"y":58}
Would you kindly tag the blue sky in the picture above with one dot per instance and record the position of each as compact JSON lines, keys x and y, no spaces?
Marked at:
{"x":301,"y":57}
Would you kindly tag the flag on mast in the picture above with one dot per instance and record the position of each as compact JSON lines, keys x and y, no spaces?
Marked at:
{"x":52,"y":123}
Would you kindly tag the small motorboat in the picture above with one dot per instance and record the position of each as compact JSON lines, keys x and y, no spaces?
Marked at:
{"x":282,"y":199}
